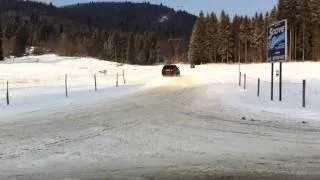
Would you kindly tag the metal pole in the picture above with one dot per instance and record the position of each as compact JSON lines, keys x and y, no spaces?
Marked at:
{"x":304,"y":93}
{"x":66,"y":84}
{"x":95,"y":83}
{"x":258,"y":93}
{"x":280,"y":83}
{"x":272,"y":72}
{"x":8,"y":102}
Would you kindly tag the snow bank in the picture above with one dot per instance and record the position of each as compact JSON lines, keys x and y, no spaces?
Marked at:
{"x":293,"y":74}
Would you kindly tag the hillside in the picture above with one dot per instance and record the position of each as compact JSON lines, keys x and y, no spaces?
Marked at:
{"x":136,"y":17}
{"x":81,"y":24}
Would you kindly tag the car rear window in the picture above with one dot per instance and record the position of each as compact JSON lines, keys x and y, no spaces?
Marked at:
{"x":170,"y":66}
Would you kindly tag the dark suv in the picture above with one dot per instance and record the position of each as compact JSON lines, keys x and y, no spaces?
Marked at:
{"x":170,"y":70}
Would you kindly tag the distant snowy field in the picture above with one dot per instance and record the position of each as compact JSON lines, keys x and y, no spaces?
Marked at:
{"x":37,"y":82}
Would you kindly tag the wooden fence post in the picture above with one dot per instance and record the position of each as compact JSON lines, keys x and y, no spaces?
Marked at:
{"x":95,"y":83}
{"x":258,"y":93}
{"x":240,"y":79}
{"x":66,"y":84}
{"x":245,"y":82}
{"x":124,"y":79}
{"x":8,"y":102}
{"x":117,"y":82}
{"x":304,"y":93}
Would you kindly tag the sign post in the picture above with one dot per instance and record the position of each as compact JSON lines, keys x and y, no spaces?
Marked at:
{"x":280,"y":82}
{"x":272,"y":73}
{"x":277,"y":50}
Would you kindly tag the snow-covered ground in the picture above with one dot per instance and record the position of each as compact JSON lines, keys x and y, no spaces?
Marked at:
{"x":291,"y":105}
{"x":39,"y":82}
{"x":36,"y":82}
{"x":190,"y":126}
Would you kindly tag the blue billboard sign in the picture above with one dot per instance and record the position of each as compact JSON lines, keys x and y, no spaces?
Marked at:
{"x":277,"y":42}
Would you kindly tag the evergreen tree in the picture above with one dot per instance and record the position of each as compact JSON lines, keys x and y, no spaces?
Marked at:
{"x":152,"y":48}
{"x":315,"y":21}
{"x":230,"y":54}
{"x":273,"y":16}
{"x":212,"y":38}
{"x":138,"y":49}
{"x":246,"y":36}
{"x":196,"y":54}
{"x":145,"y":49}
{"x":304,"y":18}
{"x":122,"y":46}
{"x":224,"y":37}
{"x":315,"y":9}
{"x":257,"y":39}
{"x":66,"y":47}
{"x":236,"y":23}
{"x":288,"y":9}
{"x":265,"y":36}
{"x":282,"y":10}
{"x":94,"y":44}
{"x":130,"y":49}
{"x":245,"y":33}
{"x":112,"y":47}
{"x":21,"y":42}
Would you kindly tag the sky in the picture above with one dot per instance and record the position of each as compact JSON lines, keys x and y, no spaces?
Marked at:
{"x":232,"y":7}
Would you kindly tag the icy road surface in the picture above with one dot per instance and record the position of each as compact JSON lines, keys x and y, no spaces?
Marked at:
{"x":176,"y":131}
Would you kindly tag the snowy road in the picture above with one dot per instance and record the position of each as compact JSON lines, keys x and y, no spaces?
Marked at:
{"x":177,"y":131}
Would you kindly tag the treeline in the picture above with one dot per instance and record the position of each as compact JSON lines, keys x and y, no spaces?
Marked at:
{"x":1,"y":49}
{"x":135,"y":33}
{"x":116,"y":46}
{"x":222,"y":40}
{"x":122,"y":47}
